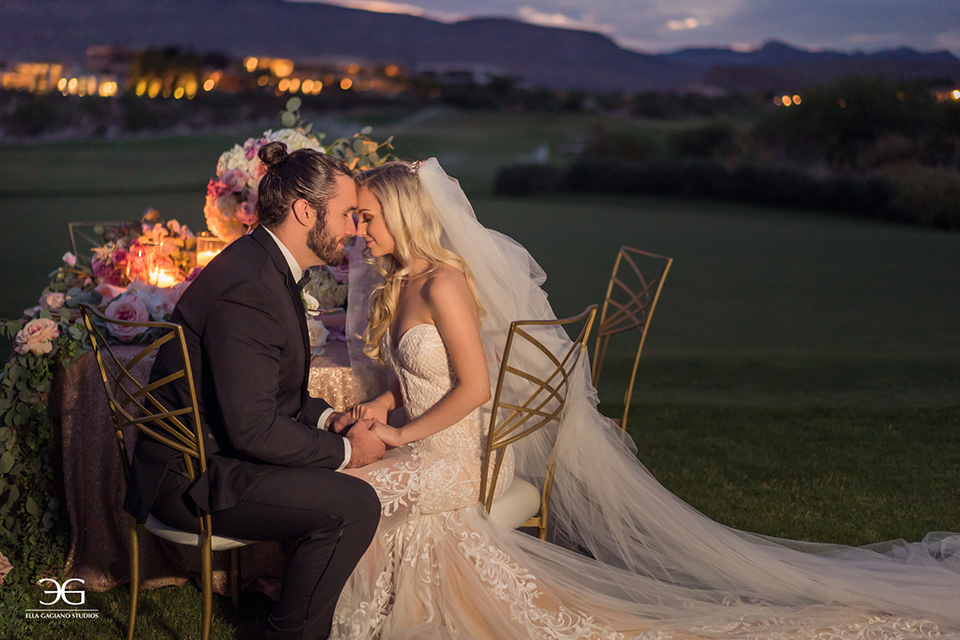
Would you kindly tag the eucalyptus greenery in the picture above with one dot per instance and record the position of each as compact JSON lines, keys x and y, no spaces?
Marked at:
{"x":358,"y":151}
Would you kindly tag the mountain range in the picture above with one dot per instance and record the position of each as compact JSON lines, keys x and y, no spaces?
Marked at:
{"x":61,"y":30}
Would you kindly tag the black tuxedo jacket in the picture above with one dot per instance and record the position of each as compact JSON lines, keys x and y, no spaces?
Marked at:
{"x":249,"y":350}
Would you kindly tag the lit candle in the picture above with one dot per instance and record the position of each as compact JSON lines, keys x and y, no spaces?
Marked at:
{"x":204,"y":257}
{"x":165,"y":279}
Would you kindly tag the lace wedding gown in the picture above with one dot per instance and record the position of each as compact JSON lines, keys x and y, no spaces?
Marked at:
{"x":439,"y":569}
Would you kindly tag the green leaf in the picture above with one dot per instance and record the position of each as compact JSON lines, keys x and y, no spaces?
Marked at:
{"x":26,"y":396}
{"x":293,"y":104}
{"x":6,"y":462}
{"x":32,"y":507}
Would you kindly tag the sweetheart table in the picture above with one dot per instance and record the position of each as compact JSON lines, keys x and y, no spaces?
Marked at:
{"x":94,"y":485}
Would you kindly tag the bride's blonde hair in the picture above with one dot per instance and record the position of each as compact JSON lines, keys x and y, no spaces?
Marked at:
{"x":412,"y":221}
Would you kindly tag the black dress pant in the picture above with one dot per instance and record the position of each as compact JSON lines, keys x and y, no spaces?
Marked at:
{"x":333,"y":516}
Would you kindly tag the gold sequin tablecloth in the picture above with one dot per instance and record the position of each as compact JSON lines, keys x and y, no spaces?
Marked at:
{"x":94,"y":486}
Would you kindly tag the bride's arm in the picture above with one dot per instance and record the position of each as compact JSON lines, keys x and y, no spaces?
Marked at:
{"x":379,"y":407}
{"x":456,"y":316}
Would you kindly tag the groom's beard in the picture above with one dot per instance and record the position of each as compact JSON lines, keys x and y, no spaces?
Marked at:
{"x":323,"y":245}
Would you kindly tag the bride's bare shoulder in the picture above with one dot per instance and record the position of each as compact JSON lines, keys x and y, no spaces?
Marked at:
{"x":446,"y":282}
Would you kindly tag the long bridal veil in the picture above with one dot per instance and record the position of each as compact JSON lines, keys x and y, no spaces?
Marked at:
{"x":654,"y":555}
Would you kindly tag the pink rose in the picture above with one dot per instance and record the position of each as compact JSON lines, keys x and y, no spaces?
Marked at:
{"x":70,"y":259}
{"x":252,"y":147}
{"x":111,"y":269}
{"x":246,"y":214}
{"x":126,"y":308}
{"x":52,"y":301}
{"x":216,"y":189}
{"x":234,"y":180}
{"x":36,"y":337}
{"x":108,"y":291}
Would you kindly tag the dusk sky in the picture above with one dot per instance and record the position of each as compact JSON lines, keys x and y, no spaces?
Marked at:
{"x":666,"y":25}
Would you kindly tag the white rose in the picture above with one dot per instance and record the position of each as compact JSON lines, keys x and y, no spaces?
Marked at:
{"x":318,"y":333}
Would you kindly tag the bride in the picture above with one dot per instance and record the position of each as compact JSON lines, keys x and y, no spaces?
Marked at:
{"x":444,"y":292}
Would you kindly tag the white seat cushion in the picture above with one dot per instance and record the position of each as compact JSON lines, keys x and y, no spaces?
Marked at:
{"x":217,"y":543}
{"x":518,"y":504}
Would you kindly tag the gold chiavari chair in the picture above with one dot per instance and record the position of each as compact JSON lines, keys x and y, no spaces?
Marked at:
{"x":538,"y":362}
{"x":84,"y":236}
{"x":134,"y":404}
{"x":631,"y":299}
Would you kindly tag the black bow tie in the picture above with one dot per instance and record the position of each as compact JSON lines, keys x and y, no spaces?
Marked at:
{"x":302,"y":282}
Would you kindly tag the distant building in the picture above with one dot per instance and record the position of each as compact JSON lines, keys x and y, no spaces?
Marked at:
{"x":35,"y":77}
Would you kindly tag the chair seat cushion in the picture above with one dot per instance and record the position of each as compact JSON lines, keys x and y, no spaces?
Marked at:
{"x":217,"y":543}
{"x":518,"y":504}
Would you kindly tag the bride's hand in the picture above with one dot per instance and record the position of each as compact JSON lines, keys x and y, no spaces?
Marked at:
{"x":369,"y":411}
{"x":390,"y":436}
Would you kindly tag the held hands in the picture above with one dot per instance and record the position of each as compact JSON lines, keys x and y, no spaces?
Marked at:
{"x":390,"y":436}
{"x":370,"y":410}
{"x":365,"y":446}
{"x":341,"y":422}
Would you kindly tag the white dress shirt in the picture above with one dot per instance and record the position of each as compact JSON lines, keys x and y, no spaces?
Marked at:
{"x":297,"y":274}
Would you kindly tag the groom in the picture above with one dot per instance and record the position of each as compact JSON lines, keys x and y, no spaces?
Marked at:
{"x":272,"y":463}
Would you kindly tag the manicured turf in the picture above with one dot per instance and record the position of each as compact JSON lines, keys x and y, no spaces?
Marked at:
{"x":802,"y":372}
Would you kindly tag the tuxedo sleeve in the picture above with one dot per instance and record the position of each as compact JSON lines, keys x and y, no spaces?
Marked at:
{"x":245,"y":343}
{"x":312,"y":410}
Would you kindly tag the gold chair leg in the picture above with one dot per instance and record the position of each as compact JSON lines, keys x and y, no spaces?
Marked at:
{"x":134,"y":576}
{"x":235,"y":578}
{"x":206,"y":567}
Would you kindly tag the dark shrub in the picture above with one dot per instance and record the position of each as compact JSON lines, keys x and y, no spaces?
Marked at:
{"x":703,"y":141}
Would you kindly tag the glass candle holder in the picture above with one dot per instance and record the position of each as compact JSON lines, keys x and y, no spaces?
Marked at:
{"x":208,"y":246}
{"x":140,"y":261}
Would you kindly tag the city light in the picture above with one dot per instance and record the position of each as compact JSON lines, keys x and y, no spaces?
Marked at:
{"x":281,"y":67}
{"x":209,"y":84}
{"x":796,"y":99}
{"x":346,"y":83}
{"x":787,"y":101}
{"x":956,"y":94}
{"x":250,"y":64}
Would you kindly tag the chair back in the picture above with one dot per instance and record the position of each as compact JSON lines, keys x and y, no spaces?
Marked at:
{"x":537,"y":362}
{"x":84,"y":236}
{"x":134,"y":403}
{"x":631,"y":299}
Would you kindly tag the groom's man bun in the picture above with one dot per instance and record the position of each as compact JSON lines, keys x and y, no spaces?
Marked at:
{"x":305,"y":173}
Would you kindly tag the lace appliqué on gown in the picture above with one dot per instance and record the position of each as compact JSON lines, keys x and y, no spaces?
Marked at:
{"x":433,"y":540}
{"x":438,"y":569}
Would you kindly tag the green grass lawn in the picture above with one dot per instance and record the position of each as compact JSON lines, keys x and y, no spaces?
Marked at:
{"x":802,"y":373}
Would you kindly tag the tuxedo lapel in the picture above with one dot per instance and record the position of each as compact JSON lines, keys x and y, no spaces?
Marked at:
{"x":293,"y":288}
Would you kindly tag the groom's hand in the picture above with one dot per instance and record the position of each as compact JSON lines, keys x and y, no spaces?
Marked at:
{"x":364,"y":446}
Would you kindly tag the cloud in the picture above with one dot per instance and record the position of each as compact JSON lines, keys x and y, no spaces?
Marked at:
{"x":689,"y":23}
{"x":384,"y":6}
{"x":559,"y":20}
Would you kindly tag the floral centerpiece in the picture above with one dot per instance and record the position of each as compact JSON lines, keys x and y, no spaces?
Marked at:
{"x":231,"y":204}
